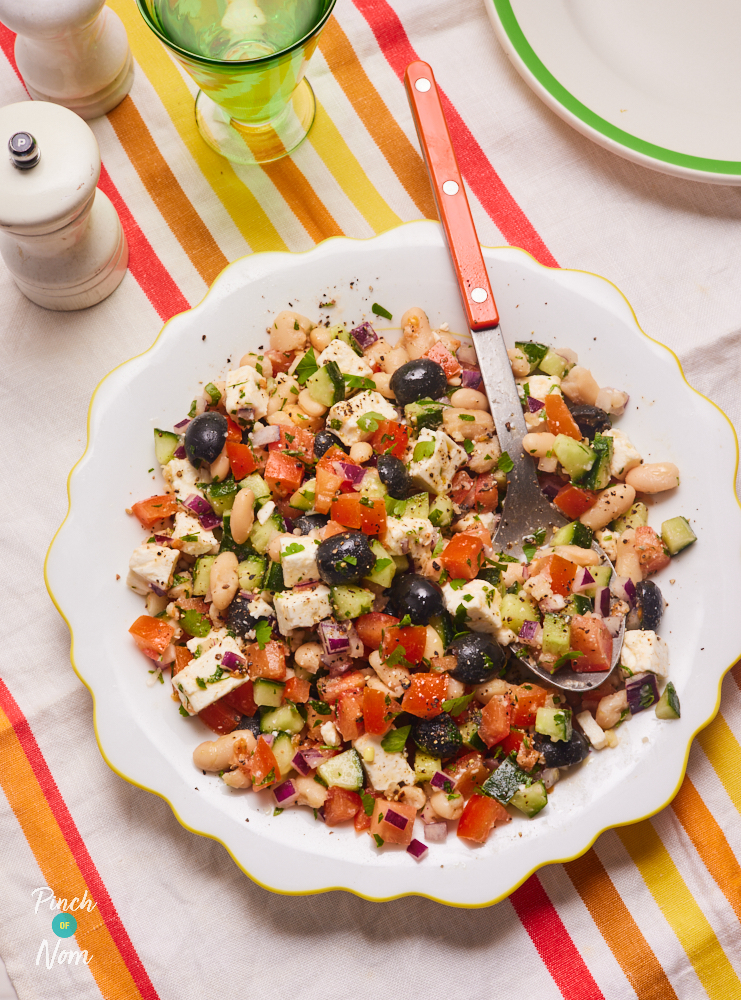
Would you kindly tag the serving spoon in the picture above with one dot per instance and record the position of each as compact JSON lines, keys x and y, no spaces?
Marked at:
{"x":526,"y":508}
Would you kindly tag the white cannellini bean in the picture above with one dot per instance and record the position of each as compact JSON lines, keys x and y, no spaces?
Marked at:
{"x":224,"y":580}
{"x":611,"y":503}
{"x":455,"y":688}
{"x":520,"y":364}
{"x":486,"y":691}
{"x":286,"y":391}
{"x":309,"y":405}
{"x":320,"y":338}
{"x":653,"y":478}
{"x":220,"y":469}
{"x":243,"y":515}
{"x":260,"y":362}
{"x":627,"y":562}
{"x":484,"y":456}
{"x":433,"y":643}
{"x":538,"y":444}
{"x":383,"y":384}
{"x":290,"y":331}
{"x":447,"y":806}
{"x":395,"y":359}
{"x":580,"y":386}
{"x":413,"y":795}
{"x":610,"y":708}
{"x":475,"y":423}
{"x":236,"y":779}
{"x":361,"y":452}
{"x":309,"y":656}
{"x":216,"y":755}
{"x":279,"y":417}
{"x":576,"y":554}
{"x":417,"y":336}
{"x":469,"y":399}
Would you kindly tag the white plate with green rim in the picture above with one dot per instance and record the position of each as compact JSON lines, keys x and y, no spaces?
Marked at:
{"x":658,"y":83}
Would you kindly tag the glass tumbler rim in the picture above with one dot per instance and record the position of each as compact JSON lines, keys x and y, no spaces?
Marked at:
{"x":143,"y":6}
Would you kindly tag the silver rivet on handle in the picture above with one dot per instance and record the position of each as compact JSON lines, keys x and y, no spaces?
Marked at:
{"x":450,"y":187}
{"x":479,"y":294}
{"x":422,"y":85}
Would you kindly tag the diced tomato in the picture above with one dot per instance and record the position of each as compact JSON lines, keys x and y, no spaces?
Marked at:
{"x":350,"y":714}
{"x":448,"y":362}
{"x":361,"y":821}
{"x":391,"y":438}
{"x":559,"y":417}
{"x":152,"y":635}
{"x":233,"y":430}
{"x":341,"y":805}
{"x":388,"y":832}
{"x":462,"y":556}
{"x":560,"y":572}
{"x":192,"y":604}
{"x":480,"y":815}
{"x":512,"y":741}
{"x":479,"y":531}
{"x":315,"y":720}
{"x":332,"y":528}
{"x":573,"y":501}
{"x":651,"y":552}
{"x":425,"y":697}
{"x":183,"y":656}
{"x":526,"y":699}
{"x":154,"y":509}
{"x":495,"y":717}
{"x":263,"y":766}
{"x":280,"y":360}
{"x":330,"y":688}
{"x":283,"y":475}
{"x":299,"y":444}
{"x":327,"y":487}
{"x":269,"y":662}
{"x":486,"y":494}
{"x":370,"y":628}
{"x":219,"y":717}
{"x":379,"y":711}
{"x":591,"y":637}
{"x":412,"y":639}
{"x":462,"y":490}
{"x":297,"y":690}
{"x":241,"y":699}
{"x":467,"y":772}
{"x":360,"y":512}
{"x":241,"y":459}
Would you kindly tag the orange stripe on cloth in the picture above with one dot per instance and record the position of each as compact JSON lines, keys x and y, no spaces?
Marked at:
{"x":710,"y":843}
{"x":163,"y":188}
{"x":303,"y":201}
{"x":620,"y":931}
{"x":370,"y":107}
{"x":64,"y":860}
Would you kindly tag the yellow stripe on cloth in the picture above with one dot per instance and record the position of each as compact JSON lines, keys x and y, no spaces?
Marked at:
{"x":722,"y":749}
{"x":680,"y":909}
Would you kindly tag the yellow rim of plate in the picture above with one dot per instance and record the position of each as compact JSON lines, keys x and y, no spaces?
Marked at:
{"x":341,"y":888}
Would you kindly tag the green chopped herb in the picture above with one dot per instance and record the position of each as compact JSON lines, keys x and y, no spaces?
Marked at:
{"x":184,"y":713}
{"x":368,"y":803}
{"x":366,"y":502}
{"x":201,"y":683}
{"x":457,"y":584}
{"x":422,"y":450}
{"x":306,"y":367}
{"x":395,"y":740}
{"x":263,"y":632}
{"x":214,"y":393}
{"x":396,"y":657}
{"x":189,"y":538}
{"x":295,"y":324}
{"x":335,"y":424}
{"x":468,"y":446}
{"x":466,"y":416}
{"x":505,"y":463}
{"x":571,"y":655}
{"x":395,"y":508}
{"x":406,"y":620}
{"x":192,"y":410}
{"x":380,"y":311}
{"x":196,"y":624}
{"x":351,"y":560}
{"x":277,"y":811}
{"x":456,"y":705}
{"x":369,"y":422}
{"x":358,"y":382}
{"x":379,"y":840}
{"x":293,"y":548}
{"x":321,"y":707}
{"x":215,"y":676}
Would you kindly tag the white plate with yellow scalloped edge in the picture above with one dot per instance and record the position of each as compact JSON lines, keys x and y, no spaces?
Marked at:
{"x":139,"y":730}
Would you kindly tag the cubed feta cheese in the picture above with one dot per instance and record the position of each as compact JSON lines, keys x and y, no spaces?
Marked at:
{"x":243,"y":391}
{"x":644,"y":651}
{"x":385,"y":769}
{"x":207,"y":669}
{"x":624,"y":456}
{"x":607,"y":540}
{"x":205,"y":642}
{"x":594,"y":733}
{"x":481,"y":602}
{"x":539,"y":386}
{"x":345,"y":358}
{"x":182,"y":477}
{"x":473,"y":520}
{"x":342,"y":418}
{"x":265,"y":511}
{"x":298,"y":559}
{"x":401,"y":532}
{"x":535,"y":422}
{"x":198,"y":541}
{"x":330,"y":735}
{"x":302,"y":608}
{"x":151,"y":565}
{"x":435,"y":472}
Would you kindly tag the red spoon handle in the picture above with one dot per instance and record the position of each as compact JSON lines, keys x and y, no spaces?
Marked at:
{"x":450,"y":196}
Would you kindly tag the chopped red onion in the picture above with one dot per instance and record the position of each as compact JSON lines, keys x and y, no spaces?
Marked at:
{"x":339,"y":665}
{"x":642,"y":691}
{"x":534,"y":404}
{"x":352,"y":473}
{"x":168,"y":656}
{"x":582,"y":580}
{"x":181,"y":425}
{"x":395,"y":819}
{"x":268,"y":737}
{"x":162,"y":539}
{"x":624,"y":589}
{"x":209,"y":521}
{"x":417,"y":849}
{"x":333,"y":637}
{"x":550,"y":485}
{"x":567,"y":354}
{"x":158,"y":590}
{"x":320,"y":814}
{"x":528,"y":630}
{"x":198,"y":505}
{"x":301,"y":764}
{"x":471,"y":378}
{"x":436,"y":833}
{"x":442,"y":781}
{"x":356,"y":646}
{"x":365,"y":335}
{"x":613,"y":623}
{"x":265,"y":435}
{"x":246,"y":413}
{"x":285,"y":794}
{"x":231,"y":660}
{"x":179,"y":452}
{"x":602,"y":601}
{"x":466,"y":354}
{"x":314,"y":757}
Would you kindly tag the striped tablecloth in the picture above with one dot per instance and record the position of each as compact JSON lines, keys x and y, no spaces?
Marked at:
{"x":651,"y":911}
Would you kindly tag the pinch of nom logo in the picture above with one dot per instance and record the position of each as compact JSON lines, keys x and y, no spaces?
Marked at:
{"x":63,"y":925}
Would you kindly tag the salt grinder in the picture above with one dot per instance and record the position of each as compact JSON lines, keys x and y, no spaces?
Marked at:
{"x":60,"y":237}
{"x":71,"y":52}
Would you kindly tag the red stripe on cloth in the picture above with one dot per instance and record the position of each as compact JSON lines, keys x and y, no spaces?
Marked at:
{"x":481,"y":177}
{"x":145,"y":266}
{"x":76,"y":844}
{"x":553,"y":942}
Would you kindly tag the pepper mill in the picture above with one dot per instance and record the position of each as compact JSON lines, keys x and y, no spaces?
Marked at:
{"x":59,"y":235}
{"x":71,"y":52}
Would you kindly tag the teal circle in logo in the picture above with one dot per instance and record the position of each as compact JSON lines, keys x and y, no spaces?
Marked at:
{"x":64,"y":925}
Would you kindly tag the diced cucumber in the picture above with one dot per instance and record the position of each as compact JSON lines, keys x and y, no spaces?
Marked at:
{"x":221,"y":496}
{"x":424,"y":413}
{"x":575,"y":457}
{"x":384,"y":570}
{"x":284,"y":752}
{"x":274,"y":578}
{"x":441,"y":512}
{"x":401,"y":563}
{"x":554,"y":364}
{"x":443,"y":625}
{"x":346,"y":335}
{"x":601,"y":575}
{"x":533,"y":352}
{"x":470,"y":734}
{"x":259,"y":487}
{"x":262,"y":534}
{"x":676,"y":534}
{"x":343,"y":771}
{"x":556,"y":635}
{"x":304,"y":497}
{"x":327,"y":385}
{"x":575,"y":533}
{"x":667,"y":707}
{"x":351,"y":601}
{"x":554,"y":722}
{"x":425,"y":766}
{"x":503,"y":783}
{"x":284,"y":719}
{"x":598,"y":476}
{"x":636,"y":517}
{"x":250,"y":572}
{"x":267,"y":693}
{"x":165,"y":445}
{"x":530,"y":799}
{"x":516,"y":610}
{"x":333,"y":332}
{"x":418,"y":506}
{"x":202,"y":575}
{"x":371,"y":486}
{"x":578,"y":604}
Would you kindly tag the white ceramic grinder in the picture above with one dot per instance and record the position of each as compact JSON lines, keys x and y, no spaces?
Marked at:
{"x":59,"y":235}
{"x":71,"y":52}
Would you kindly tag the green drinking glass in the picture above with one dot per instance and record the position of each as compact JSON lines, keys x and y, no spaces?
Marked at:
{"x":249,"y":58}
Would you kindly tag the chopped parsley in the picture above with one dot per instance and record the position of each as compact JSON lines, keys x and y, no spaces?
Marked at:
{"x":196,"y":624}
{"x":455,"y":706}
{"x":189,"y":538}
{"x":192,"y":410}
{"x":571,"y":655}
{"x":320,"y":707}
{"x":395,"y":740}
{"x":293,"y":548}
{"x":306,"y":367}
{"x":423,"y":449}
{"x":380,"y":311}
{"x":214,"y":393}
{"x":466,"y":416}
{"x":457,"y":584}
{"x":468,"y":446}
{"x":369,"y":422}
{"x":368,"y":803}
{"x":184,"y":713}
{"x":263,"y":632}
{"x":277,"y":811}
{"x":406,"y":620}
{"x":505,"y":463}
{"x":379,"y":840}
{"x":358,"y":382}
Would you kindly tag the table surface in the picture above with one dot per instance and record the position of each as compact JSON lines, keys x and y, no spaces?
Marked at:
{"x":651,"y":910}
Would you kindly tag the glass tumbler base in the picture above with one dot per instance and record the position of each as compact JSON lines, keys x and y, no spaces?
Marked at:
{"x":250,"y":144}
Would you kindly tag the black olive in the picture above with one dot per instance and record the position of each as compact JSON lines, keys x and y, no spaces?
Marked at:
{"x":649,"y":607}
{"x":308,"y":522}
{"x":420,"y":379}
{"x":394,"y":476}
{"x":238,"y":617}
{"x":344,"y":558}
{"x":323,"y":441}
{"x":439,"y":737}
{"x":561,"y":753}
{"x":479,"y":658}
{"x":590,"y":420}
{"x":205,"y":438}
{"x":251,"y":722}
{"x":417,"y":597}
